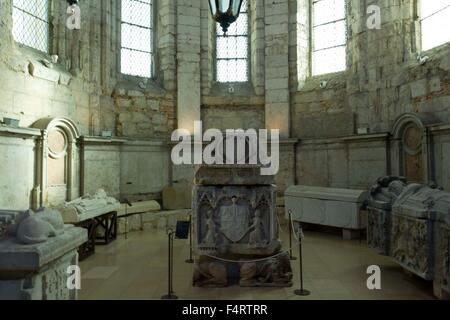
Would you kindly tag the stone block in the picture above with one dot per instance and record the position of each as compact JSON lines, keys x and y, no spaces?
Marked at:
{"x":419,"y":88}
{"x":325,"y":125}
{"x":178,"y":196}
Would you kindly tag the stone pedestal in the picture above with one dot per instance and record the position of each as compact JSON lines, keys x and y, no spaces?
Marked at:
{"x":236,"y":229}
{"x":39,"y":272}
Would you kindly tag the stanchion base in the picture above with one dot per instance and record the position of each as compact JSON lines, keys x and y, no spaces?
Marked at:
{"x":189,"y":261}
{"x":169,"y":297}
{"x":302,"y":292}
{"x":292,"y":258}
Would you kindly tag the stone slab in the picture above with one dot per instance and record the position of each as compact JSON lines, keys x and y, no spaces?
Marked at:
{"x":17,"y":259}
{"x":72,"y":216}
{"x":232,"y":175}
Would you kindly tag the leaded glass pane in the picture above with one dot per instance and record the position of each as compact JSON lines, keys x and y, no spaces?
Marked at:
{"x":435,"y":23}
{"x":232,"y":49}
{"x":137,"y":38}
{"x":31,"y":23}
{"x":329,"y":36}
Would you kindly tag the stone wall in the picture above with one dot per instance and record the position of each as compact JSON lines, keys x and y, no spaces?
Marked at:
{"x":383,"y":80}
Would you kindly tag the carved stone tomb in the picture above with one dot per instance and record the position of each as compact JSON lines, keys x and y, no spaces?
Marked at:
{"x":236,"y":229}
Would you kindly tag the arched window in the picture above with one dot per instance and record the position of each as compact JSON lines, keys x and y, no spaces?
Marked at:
{"x":232,"y":49}
{"x":31,"y":23}
{"x":435,"y":23}
{"x":137,"y":38}
{"x":329,"y":36}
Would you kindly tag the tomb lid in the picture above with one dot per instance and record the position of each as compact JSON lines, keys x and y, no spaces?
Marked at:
{"x":335,"y":194}
{"x":18,"y":260}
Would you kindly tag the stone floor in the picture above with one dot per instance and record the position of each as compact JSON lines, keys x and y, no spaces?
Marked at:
{"x":135,"y":268}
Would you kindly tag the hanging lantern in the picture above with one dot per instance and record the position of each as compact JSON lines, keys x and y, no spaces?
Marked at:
{"x":225,"y":12}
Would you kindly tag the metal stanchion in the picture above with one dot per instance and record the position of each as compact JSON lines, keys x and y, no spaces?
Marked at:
{"x":170,"y":295}
{"x":301,"y":291}
{"x":291,"y":256}
{"x":190,"y":260}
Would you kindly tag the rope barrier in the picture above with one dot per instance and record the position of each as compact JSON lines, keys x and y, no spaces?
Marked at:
{"x":247,"y":261}
{"x":262,"y":259}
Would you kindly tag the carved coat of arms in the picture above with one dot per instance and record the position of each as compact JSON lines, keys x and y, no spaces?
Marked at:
{"x":234,"y":221}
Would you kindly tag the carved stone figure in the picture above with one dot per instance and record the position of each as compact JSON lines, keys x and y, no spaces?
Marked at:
{"x":257,"y":235}
{"x":90,"y":203}
{"x":387,"y":189}
{"x":248,"y":273}
{"x":32,"y":228}
{"x":210,"y":237}
{"x":273,"y":272}
{"x":210,"y":274}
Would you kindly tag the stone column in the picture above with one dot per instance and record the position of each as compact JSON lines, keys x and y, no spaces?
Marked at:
{"x":188,"y":63}
{"x":277,"y":65}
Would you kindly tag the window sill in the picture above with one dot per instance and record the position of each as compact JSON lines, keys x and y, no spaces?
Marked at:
{"x":241,"y":93}
{"x":228,"y":89}
{"x":332,"y":80}
{"x":136,"y":86}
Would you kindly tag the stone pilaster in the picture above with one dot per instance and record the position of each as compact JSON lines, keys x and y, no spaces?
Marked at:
{"x":188,"y":63}
{"x":277,"y":66}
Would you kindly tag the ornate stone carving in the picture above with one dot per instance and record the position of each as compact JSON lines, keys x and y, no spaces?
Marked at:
{"x":38,"y":271}
{"x":382,"y":195}
{"x":236,"y":221}
{"x":275,"y":272}
{"x":88,"y":207}
{"x":409,"y":222}
{"x":210,"y":274}
{"x":32,"y":228}
{"x":411,"y":245}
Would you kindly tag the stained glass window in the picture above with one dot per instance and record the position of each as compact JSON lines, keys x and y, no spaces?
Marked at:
{"x":329,"y":36}
{"x":137,"y":38}
{"x":232,"y":49}
{"x":31,"y":23}
{"x":435,"y":21}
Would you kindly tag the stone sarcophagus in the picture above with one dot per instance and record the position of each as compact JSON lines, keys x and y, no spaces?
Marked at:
{"x":236,"y":229}
{"x":36,"y":252}
{"x":342,"y":208}
{"x":381,"y":197}
{"x":410,"y":223}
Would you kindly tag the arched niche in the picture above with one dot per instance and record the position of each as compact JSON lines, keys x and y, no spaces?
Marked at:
{"x":410,"y":148}
{"x":58,"y":161}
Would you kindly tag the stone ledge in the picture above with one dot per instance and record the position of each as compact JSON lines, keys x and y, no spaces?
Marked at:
{"x":19,"y":258}
{"x":21,"y":132}
{"x":232,"y":175}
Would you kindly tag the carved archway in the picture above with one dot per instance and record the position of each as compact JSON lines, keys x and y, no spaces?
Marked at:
{"x":410,"y":148}
{"x":58,"y":161}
